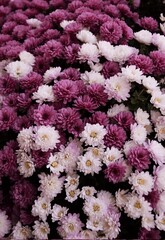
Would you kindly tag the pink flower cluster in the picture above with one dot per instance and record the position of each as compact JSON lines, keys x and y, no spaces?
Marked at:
{"x":82,"y":120}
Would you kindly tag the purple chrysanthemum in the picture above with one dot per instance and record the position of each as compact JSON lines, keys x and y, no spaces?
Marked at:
{"x":115,"y":137}
{"x":70,"y":74}
{"x":99,"y":117}
{"x":143,"y":62}
{"x":71,"y":53}
{"x":40,"y":158}
{"x":7,"y":117}
{"x":115,"y":172}
{"x":23,"y":193}
{"x":96,"y":91}
{"x":139,"y":158}
{"x":44,"y":115}
{"x":144,"y":234}
{"x":158,"y":58}
{"x":65,"y":90}
{"x":124,"y":119}
{"x":149,"y":24}
{"x":153,"y":198}
{"x":85,"y":102}
{"x":110,"y":69}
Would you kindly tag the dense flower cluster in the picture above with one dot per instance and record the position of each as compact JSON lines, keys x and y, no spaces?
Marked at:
{"x":82,"y":120}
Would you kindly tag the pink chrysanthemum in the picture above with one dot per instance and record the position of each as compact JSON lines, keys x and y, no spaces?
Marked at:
{"x":139,"y":158}
{"x":124,"y":119}
{"x":115,"y":172}
{"x":44,"y":115}
{"x":158,"y":58}
{"x":85,"y":102}
{"x":115,"y":137}
{"x":7,"y":117}
{"x":110,"y":69}
{"x":144,"y":234}
{"x":96,"y":91}
{"x":99,"y":117}
{"x":40,"y":158}
{"x":149,"y":24}
{"x":23,"y":193}
{"x":65,"y":90}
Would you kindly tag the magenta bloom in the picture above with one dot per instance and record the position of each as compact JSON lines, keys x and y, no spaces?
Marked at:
{"x":21,"y":122}
{"x":11,"y":101}
{"x":149,"y":24}
{"x":26,"y":217}
{"x":70,"y":74}
{"x":66,"y":117}
{"x":115,"y":172}
{"x":124,"y":119}
{"x":143,"y":62}
{"x":153,"y":198}
{"x":115,"y":137}
{"x":31,"y":81}
{"x":7,"y":117}
{"x":110,"y":69}
{"x":23,"y":193}
{"x":71,"y":53}
{"x":96,"y":91}
{"x":99,"y":117}
{"x":111,"y":31}
{"x":65,"y":90}
{"x":85,"y":102}
{"x":139,"y":158}
{"x":144,"y":234}
{"x":44,"y":115}
{"x":112,"y":10}
{"x":88,"y":19}
{"x":158,"y":58}
{"x":40,"y":158}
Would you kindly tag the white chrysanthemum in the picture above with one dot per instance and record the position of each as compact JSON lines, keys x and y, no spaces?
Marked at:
{"x":106,"y":197}
{"x":86,"y":36}
{"x":72,"y":194}
{"x":143,"y":36}
{"x":160,"y":206}
{"x":33,"y":22}
{"x":97,"y":152}
{"x":123,"y":52}
{"x":65,"y":23}
{"x":158,"y":99}
{"x":142,"y":182}
{"x":21,"y":232}
{"x":111,"y":154}
{"x":94,"y":224}
{"x":160,"y":128}
{"x":138,"y":133}
{"x":137,"y":206}
{"x":5,"y":224}
{"x":160,"y":221}
{"x":41,"y":208}
{"x":154,"y":114}
{"x":122,"y":197}
{"x":89,"y":164}
{"x":87,"y":234}
{"x":25,"y":139}
{"x":41,"y":230}
{"x":44,"y":94}
{"x":118,"y":88}
{"x":157,"y":151}
{"x":95,"y":207}
{"x":106,"y":49}
{"x":89,"y":52}
{"x":18,"y":69}
{"x":72,"y":181}
{"x":87,"y":192}
{"x":93,"y":134}
{"x":148,"y":221}
{"x":46,"y":137}
{"x":51,"y":74}
{"x":159,"y":41}
{"x":117,"y":108}
{"x":160,"y":180}
{"x":150,"y":83}
{"x":58,"y":212}
{"x":50,"y":185}
{"x":54,"y":164}
{"x":162,"y":27}
{"x":111,"y":227}
{"x":26,"y":165}
{"x":27,"y":58}
{"x":132,"y":73}
{"x":141,"y":117}
{"x":97,"y":67}
{"x":93,"y":77}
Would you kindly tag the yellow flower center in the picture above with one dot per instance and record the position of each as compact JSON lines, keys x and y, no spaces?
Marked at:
{"x":44,"y":137}
{"x":162,"y":130}
{"x":137,"y":205}
{"x":73,"y":181}
{"x":88,"y":163}
{"x":93,"y":134}
{"x":141,"y":181}
{"x":44,"y":206}
{"x":111,"y":158}
{"x":72,"y":193}
{"x":71,"y":226}
{"x":96,"y":208}
{"x":95,"y":151}
{"x":27,"y":165}
{"x":54,"y":164}
{"x":87,"y":192}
